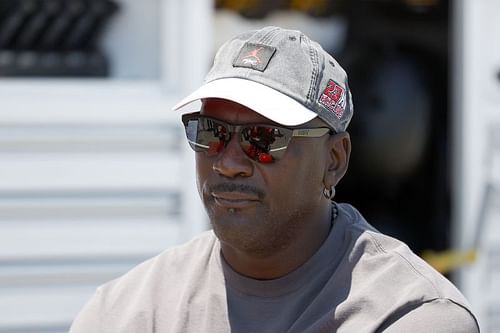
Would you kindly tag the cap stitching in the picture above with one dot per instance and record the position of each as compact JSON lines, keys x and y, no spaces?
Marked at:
{"x":267,"y":37}
{"x":314,"y":59}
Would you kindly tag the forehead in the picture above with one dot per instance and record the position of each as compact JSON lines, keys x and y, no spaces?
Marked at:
{"x":234,"y":113}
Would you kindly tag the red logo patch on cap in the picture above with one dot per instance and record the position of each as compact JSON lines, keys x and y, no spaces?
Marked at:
{"x":333,"y":98}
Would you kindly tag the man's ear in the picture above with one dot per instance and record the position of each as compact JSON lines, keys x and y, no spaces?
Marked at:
{"x":339,"y":148}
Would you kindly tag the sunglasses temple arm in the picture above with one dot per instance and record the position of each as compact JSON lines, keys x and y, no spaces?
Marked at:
{"x":197,"y":144}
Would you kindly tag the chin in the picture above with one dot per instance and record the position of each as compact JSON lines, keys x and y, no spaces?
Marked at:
{"x":257,"y":238}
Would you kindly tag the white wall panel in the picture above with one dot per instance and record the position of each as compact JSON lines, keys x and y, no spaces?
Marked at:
{"x":80,"y":205}
{"x":85,"y":196}
{"x":69,"y":171}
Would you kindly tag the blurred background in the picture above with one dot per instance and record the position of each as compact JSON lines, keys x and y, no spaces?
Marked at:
{"x":95,"y":174}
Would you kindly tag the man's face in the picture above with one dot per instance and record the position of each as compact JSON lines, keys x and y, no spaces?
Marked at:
{"x":255,"y":207}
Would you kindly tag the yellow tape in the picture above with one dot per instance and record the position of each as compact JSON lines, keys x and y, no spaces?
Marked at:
{"x":447,"y":261}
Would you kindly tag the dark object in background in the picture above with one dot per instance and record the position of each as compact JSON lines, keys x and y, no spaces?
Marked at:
{"x":57,"y":38}
{"x":394,"y":101}
{"x":397,"y":58}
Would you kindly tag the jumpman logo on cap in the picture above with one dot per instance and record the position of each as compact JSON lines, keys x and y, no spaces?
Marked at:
{"x":252,"y":57}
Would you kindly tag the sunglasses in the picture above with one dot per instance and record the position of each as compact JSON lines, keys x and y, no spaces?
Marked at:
{"x":263,"y":143}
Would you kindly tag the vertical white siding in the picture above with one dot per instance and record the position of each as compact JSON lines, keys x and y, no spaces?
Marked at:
{"x":476,"y":82}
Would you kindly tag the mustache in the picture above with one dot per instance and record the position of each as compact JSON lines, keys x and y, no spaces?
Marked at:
{"x":234,"y":187}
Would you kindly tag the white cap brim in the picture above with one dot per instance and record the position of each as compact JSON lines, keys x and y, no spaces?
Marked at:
{"x":264,"y":100}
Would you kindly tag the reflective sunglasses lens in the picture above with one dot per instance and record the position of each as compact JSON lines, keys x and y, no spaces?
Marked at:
{"x":206,"y":135}
{"x":264,"y":143}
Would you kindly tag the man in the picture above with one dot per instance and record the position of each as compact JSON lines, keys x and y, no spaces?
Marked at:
{"x":271,"y":145}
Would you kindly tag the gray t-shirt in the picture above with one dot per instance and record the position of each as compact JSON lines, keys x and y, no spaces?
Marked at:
{"x":358,"y":281}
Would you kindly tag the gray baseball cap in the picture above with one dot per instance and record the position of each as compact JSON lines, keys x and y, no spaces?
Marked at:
{"x":281,"y":74}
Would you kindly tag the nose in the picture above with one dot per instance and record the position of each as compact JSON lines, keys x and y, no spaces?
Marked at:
{"x":232,"y":162}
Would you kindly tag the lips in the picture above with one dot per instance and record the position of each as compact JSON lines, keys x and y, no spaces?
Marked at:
{"x":234,"y":199}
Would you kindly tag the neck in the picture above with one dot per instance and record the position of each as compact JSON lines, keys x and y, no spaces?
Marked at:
{"x":306,"y":242}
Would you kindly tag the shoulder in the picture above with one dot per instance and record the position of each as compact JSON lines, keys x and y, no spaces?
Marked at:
{"x":168,"y":265}
{"x":391,"y":258}
{"x":387,"y":274}
{"x":140,"y":289}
